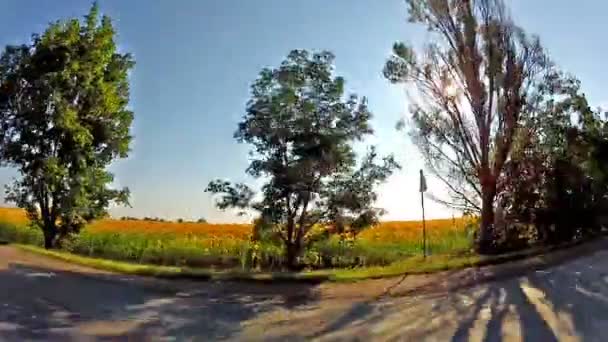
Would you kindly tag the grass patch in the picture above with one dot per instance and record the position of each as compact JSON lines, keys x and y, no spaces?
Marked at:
{"x":170,"y":272}
{"x":104,"y":264}
{"x":414,"y":265}
{"x":410,"y":266}
{"x":22,"y":234}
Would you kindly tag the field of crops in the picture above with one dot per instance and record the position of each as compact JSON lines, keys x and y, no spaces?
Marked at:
{"x":229,"y":246}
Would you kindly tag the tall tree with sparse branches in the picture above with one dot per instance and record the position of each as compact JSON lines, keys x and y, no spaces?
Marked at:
{"x":472,"y":82}
{"x":302,"y":129}
{"x":64,"y":118}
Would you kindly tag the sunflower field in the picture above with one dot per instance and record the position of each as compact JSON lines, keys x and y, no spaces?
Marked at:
{"x":229,"y":245}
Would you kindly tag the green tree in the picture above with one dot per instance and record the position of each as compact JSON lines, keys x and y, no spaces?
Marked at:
{"x":302,"y":129}
{"x":472,"y":84}
{"x":558,"y":171}
{"x":64,"y":118}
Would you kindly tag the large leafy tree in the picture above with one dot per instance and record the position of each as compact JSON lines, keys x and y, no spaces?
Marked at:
{"x":63,"y":118}
{"x":472,"y":83}
{"x":558,"y":171}
{"x":302,"y":129}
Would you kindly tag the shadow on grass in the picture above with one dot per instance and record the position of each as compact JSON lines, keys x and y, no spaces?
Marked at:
{"x":38,"y":303}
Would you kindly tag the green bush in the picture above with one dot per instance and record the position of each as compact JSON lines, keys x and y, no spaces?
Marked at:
{"x":25,"y":235}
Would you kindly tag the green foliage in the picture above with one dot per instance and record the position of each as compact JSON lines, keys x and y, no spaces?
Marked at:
{"x":153,"y":219}
{"x":128,"y":218}
{"x":25,"y":235}
{"x":415,"y":265}
{"x":63,"y":120}
{"x":169,"y":250}
{"x":161,"y":249}
{"x":302,"y":127}
{"x":558,"y":175}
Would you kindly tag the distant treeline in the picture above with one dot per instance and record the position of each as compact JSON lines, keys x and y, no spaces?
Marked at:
{"x":160,"y":219}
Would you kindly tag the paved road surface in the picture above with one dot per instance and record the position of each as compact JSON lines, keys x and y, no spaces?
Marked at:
{"x":43,"y":299}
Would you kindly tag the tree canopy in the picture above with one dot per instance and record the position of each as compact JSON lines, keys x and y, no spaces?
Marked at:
{"x":557,"y":176}
{"x":64,"y":118}
{"x":302,"y":129}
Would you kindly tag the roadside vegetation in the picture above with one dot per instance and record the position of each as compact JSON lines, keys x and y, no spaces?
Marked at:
{"x":412,"y":265}
{"x":229,"y":246}
{"x":512,"y":137}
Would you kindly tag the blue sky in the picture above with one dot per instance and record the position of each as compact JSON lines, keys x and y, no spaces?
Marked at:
{"x":197,"y":58}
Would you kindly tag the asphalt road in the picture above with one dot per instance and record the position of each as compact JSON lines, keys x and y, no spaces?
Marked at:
{"x":43,"y":299}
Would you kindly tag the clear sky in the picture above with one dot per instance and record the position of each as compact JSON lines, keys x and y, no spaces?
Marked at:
{"x":197,"y":58}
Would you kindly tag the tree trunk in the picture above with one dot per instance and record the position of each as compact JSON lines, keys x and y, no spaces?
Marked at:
{"x":49,"y":237}
{"x":292,"y":253}
{"x":485,"y":239}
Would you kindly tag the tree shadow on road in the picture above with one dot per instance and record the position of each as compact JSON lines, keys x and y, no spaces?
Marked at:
{"x":492,"y":309}
{"x":560,"y":295}
{"x":38,"y":303}
{"x":545,"y":305}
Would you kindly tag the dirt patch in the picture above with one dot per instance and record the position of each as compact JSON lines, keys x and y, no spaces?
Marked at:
{"x":11,"y":255}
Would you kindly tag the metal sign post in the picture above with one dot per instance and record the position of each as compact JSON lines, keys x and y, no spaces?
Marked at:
{"x":422,"y":191}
